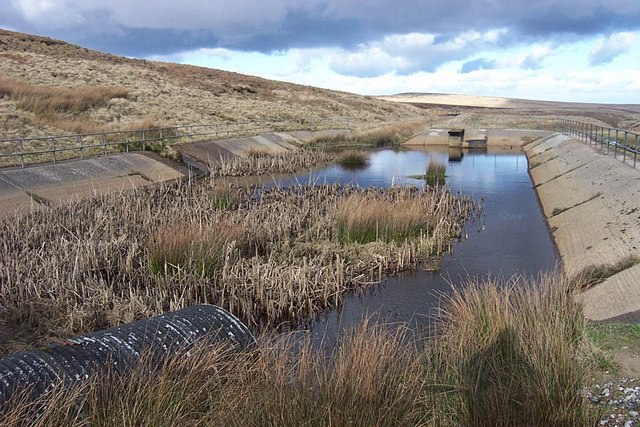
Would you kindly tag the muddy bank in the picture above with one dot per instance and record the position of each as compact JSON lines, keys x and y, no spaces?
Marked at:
{"x":592,"y":204}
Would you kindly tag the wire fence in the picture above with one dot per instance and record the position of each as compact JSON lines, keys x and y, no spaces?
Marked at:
{"x":620,"y":143}
{"x":52,"y":149}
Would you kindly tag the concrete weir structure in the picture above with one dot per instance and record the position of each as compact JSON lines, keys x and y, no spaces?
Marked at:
{"x":592,"y":203}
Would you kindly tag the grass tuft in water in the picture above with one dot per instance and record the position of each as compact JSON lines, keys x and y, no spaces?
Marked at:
{"x":435,"y":173}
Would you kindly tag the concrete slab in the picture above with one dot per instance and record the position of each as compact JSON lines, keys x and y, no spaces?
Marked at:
{"x":592,"y":202}
{"x":39,"y":185}
{"x":591,"y":235}
{"x":612,"y":298}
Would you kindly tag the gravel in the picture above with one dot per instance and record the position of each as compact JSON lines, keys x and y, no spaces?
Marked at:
{"x":618,"y":401}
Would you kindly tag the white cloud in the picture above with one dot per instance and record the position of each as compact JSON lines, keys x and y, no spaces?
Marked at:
{"x":412,"y":52}
{"x":607,"y":49}
{"x":536,"y":56}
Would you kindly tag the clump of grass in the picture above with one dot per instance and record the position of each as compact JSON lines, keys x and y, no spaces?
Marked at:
{"x":596,"y":274}
{"x":366,"y":218}
{"x":504,"y":355}
{"x":225,"y":197}
{"x":435,"y":172}
{"x":257,"y":153}
{"x":352,"y":159}
{"x":47,"y":101}
{"x":194,"y":248}
{"x":516,"y":352}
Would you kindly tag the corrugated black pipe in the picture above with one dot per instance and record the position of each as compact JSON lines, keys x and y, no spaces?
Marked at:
{"x":118,"y":348}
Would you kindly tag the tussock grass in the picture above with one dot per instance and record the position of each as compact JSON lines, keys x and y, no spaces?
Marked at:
{"x":507,"y":354}
{"x":517,"y":353}
{"x":364,"y":219}
{"x":46,"y":101}
{"x":225,"y":197}
{"x":596,"y":274}
{"x":200,"y":249}
{"x":352,"y":159}
{"x":435,"y":172}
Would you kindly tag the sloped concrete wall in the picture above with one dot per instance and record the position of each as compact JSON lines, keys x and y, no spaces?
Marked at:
{"x":592,"y":203}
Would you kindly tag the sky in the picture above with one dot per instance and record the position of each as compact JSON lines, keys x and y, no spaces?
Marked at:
{"x":561,"y":50}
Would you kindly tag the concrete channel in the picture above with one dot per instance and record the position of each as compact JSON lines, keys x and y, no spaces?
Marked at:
{"x":592,"y":204}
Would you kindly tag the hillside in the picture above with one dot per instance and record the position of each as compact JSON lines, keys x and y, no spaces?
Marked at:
{"x":50,"y":87}
{"x":130,"y":93}
{"x":497,"y":112}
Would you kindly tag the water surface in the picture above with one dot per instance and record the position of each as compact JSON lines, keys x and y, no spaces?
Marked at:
{"x":510,"y":238}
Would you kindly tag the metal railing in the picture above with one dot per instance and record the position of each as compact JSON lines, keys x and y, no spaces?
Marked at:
{"x":51,"y":149}
{"x":621,"y":143}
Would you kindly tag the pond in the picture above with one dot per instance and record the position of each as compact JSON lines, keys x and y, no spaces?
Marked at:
{"x":511,"y":237}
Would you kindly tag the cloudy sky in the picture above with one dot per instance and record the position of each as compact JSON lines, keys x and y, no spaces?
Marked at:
{"x":566,"y":50}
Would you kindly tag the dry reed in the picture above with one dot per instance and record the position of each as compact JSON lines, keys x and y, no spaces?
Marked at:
{"x":90,"y":264}
{"x":509,"y":354}
{"x":257,"y":163}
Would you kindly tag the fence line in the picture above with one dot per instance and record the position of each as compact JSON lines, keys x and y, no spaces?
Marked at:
{"x":620,"y":143}
{"x":51,"y":149}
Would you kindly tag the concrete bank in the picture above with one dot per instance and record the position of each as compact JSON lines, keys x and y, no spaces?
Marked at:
{"x":33,"y":187}
{"x":24,"y":190}
{"x":202,"y":154}
{"x":592,"y":203}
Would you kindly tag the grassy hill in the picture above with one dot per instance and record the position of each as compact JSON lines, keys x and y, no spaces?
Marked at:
{"x":50,"y":87}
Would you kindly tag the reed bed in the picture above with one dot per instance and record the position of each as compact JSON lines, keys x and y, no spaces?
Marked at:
{"x":259,"y":163}
{"x":508,"y":354}
{"x":272,"y":256}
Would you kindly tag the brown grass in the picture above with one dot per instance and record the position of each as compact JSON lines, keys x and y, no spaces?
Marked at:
{"x":261,"y":164}
{"x":507,"y":354}
{"x":97,"y":263}
{"x":46,"y":101}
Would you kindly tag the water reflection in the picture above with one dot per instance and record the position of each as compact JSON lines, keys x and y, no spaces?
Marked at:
{"x":510,"y":238}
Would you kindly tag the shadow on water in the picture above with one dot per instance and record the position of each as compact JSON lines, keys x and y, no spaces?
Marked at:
{"x":511,"y":237}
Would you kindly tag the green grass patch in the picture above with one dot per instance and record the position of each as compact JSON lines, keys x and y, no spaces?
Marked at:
{"x":435,"y":172}
{"x":225,"y":197}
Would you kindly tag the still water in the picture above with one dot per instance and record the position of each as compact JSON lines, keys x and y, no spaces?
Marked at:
{"x":510,"y":238}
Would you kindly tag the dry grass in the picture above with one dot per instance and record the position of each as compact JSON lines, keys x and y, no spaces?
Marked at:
{"x":261,"y":164}
{"x":97,"y":263}
{"x":517,"y":353}
{"x":170,"y":94}
{"x":509,"y":354}
{"x":46,"y":101}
